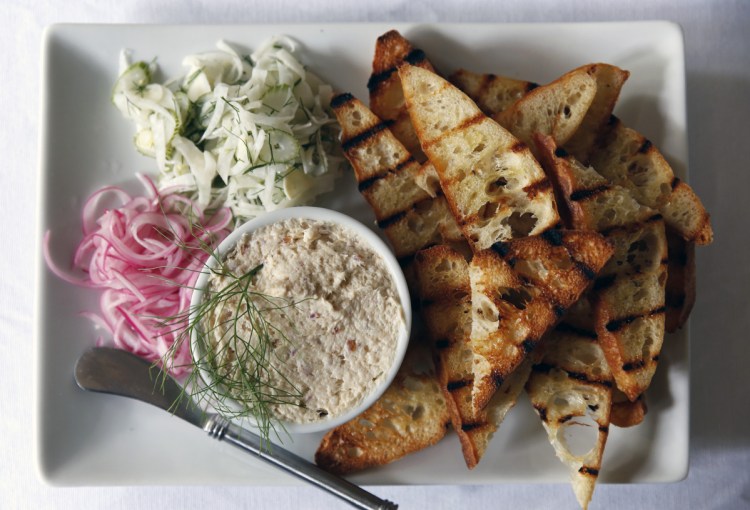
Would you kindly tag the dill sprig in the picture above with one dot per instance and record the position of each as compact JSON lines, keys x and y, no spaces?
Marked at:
{"x":235,"y":328}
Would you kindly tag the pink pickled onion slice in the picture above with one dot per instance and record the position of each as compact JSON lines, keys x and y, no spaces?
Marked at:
{"x":145,"y":255}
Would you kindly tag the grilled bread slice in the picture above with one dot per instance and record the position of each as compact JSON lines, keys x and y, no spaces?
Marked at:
{"x":630,"y":307}
{"x":609,"y":82}
{"x":579,"y":321}
{"x":586,"y":200}
{"x":386,"y":173}
{"x":520,"y":289}
{"x":571,"y":390}
{"x":411,"y":415}
{"x":680,"y":289}
{"x":494,"y":186}
{"x":628,"y":159}
{"x":490,"y":92}
{"x":386,"y":95}
{"x":444,"y":289}
{"x":630,"y":292}
{"x":556,"y":109}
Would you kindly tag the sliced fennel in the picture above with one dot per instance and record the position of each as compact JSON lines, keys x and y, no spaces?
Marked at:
{"x":251,"y":132}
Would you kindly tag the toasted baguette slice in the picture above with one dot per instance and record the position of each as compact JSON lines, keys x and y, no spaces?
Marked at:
{"x":630,"y":310}
{"x":494,"y":186}
{"x":556,"y":109}
{"x":630,"y":293}
{"x":609,"y":82}
{"x":490,"y":92}
{"x":680,"y":291}
{"x":586,"y":200}
{"x":628,"y":159}
{"x":571,"y":390}
{"x":386,"y":172}
{"x":443,"y":276}
{"x":520,"y":289}
{"x":410,"y":416}
{"x":384,"y":168}
{"x":386,"y":95}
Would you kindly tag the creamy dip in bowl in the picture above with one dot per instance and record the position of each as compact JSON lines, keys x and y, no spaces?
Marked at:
{"x":329,"y":317}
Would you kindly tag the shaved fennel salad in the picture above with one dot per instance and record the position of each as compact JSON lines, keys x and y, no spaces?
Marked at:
{"x":250,"y":132}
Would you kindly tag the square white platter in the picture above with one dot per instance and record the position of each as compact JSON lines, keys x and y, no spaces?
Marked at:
{"x":89,"y":439}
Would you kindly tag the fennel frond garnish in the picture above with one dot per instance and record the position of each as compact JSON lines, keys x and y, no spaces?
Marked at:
{"x":235,"y":329}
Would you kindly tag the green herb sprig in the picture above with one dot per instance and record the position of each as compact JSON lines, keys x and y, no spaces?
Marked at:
{"x":231,"y":363}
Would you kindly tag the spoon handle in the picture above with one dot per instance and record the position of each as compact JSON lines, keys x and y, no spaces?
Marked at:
{"x":224,"y":430}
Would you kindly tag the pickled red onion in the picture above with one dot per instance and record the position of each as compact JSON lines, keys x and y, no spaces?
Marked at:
{"x":145,"y":255}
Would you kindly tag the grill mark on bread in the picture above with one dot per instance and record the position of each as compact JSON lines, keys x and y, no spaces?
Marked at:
{"x":464,"y":125}
{"x":415,"y":57}
{"x":466,"y":427}
{"x":340,"y":100}
{"x":604,"y":428}
{"x":645,"y":147}
{"x":585,"y":270}
{"x":564,"y":327}
{"x":587,"y":194}
{"x":565,"y":418}
{"x":617,"y":324}
{"x":553,"y":237}
{"x":377,"y":79}
{"x":528,"y":345}
{"x":535,"y":188}
{"x":631,"y":227}
{"x":497,"y":378}
{"x":457,"y":385}
{"x":501,"y":248}
{"x":487,"y":79}
{"x":586,"y":470}
{"x":359,"y":139}
{"x":633,"y":365}
{"x":390,"y":220}
{"x":367,"y":183}
{"x":580,"y":376}
{"x":604,"y":282}
{"x":542,"y":411}
{"x":387,"y":222}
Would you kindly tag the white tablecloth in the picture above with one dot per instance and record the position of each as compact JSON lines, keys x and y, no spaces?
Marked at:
{"x":717,"y":35}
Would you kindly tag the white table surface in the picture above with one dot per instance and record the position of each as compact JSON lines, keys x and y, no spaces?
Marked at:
{"x":717,"y":40}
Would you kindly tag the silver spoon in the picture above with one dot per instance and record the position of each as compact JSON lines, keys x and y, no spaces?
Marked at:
{"x":118,"y":372}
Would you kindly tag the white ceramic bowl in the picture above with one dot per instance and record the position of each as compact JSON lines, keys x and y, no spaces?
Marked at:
{"x":377,"y":245}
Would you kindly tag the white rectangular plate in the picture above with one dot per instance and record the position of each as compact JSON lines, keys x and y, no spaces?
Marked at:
{"x":89,"y":439}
